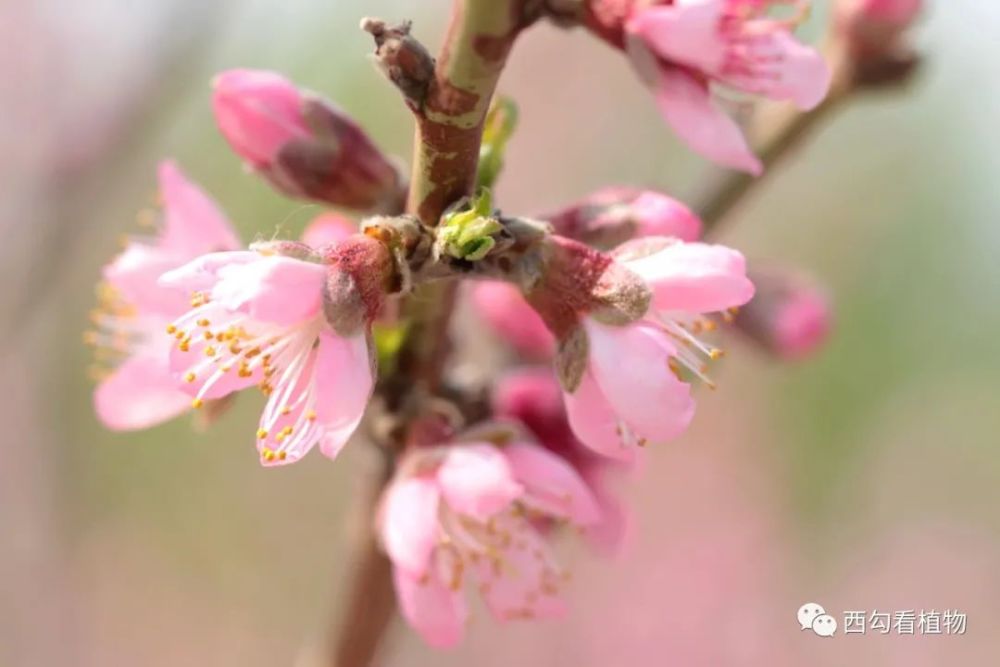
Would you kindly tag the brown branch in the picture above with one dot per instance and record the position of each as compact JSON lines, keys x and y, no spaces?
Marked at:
{"x":450,"y":117}
{"x":780,"y":129}
{"x":371,"y":600}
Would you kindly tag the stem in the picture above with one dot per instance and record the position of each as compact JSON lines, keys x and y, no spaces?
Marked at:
{"x":446,"y":157}
{"x":775,"y":133}
{"x":371,"y":600}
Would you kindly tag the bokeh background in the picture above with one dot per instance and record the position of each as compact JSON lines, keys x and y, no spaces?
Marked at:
{"x":866,"y":478}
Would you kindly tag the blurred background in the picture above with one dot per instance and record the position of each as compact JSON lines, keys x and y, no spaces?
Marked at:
{"x":865,"y":478}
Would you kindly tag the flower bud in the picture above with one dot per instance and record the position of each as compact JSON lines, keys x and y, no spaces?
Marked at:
{"x":614,"y":215}
{"x":303,"y":145}
{"x":607,"y":18}
{"x":328,"y":229}
{"x":899,"y":14}
{"x":533,"y":396}
{"x":789,"y":316}
{"x":874,"y":31}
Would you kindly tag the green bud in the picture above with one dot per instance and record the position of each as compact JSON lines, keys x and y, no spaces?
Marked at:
{"x":501,"y":121}
{"x":468,"y":234}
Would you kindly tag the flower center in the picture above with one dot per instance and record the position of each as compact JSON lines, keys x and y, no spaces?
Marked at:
{"x":505,"y":550}
{"x":693,"y":355}
{"x":222,"y":343}
{"x":118,"y":331}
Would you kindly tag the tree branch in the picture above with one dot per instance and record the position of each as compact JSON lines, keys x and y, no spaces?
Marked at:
{"x":774,"y":132}
{"x":450,"y":118}
{"x":779,"y":129}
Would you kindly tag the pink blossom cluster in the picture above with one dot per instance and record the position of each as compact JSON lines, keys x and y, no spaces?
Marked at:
{"x":683,"y":49}
{"x":626,"y":307}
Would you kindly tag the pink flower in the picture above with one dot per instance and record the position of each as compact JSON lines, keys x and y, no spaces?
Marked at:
{"x":684,"y":47}
{"x":603,"y":219}
{"x":258,"y":319}
{"x":615,"y":214}
{"x":533,"y":397}
{"x":464,"y":509}
{"x":789,"y":315}
{"x":328,"y":229}
{"x":140,"y":391}
{"x":303,"y":145}
{"x":634,"y":387}
{"x":506,"y":311}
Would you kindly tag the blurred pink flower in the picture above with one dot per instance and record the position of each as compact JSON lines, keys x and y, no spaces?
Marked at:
{"x":467,"y":507}
{"x":328,"y":229}
{"x":682,"y":48}
{"x":532,"y":397}
{"x":140,"y":392}
{"x":789,"y":315}
{"x":305,"y":146}
{"x":258,"y":319}
{"x":874,"y":28}
{"x":802,"y":324}
{"x":900,"y":13}
{"x":503,"y":307}
{"x":616,"y":214}
{"x":633,"y":389}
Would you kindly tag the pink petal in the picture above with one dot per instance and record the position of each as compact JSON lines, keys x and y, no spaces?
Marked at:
{"x":289,"y":425}
{"x":685,"y":102}
{"x":794,"y":72}
{"x":274,"y":289}
{"x":432,"y":608}
{"x":660,"y":215}
{"x":140,"y":393}
{"x":202,"y":273}
{"x":695,"y":278}
{"x":408,"y":523}
{"x":594,"y":421}
{"x":522,"y":581}
{"x":476,"y":481}
{"x":552,"y":485}
{"x":344,"y":378}
{"x":687,"y":34}
{"x":328,"y":229}
{"x":630,"y":365}
{"x":193,"y":224}
{"x":135,"y":275}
